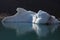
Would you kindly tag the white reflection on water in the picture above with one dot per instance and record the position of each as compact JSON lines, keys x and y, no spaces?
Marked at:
{"x":44,"y":30}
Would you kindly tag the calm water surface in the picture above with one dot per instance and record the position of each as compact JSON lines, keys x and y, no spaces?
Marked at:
{"x":10,"y":34}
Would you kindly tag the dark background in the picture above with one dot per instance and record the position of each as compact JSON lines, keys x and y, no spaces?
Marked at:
{"x":50,"y":6}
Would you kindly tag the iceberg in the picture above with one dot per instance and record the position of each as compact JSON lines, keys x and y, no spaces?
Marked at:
{"x":24,"y":16}
{"x":43,"y":17}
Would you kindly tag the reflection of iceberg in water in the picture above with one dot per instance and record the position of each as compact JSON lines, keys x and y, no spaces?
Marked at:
{"x":23,"y":28}
{"x":44,"y":30}
{"x":41,"y":30}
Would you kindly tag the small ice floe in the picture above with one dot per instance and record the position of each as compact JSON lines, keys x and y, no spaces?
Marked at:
{"x":44,"y":30}
{"x":43,"y":17}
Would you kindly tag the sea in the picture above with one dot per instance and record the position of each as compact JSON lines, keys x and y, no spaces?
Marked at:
{"x":10,"y":34}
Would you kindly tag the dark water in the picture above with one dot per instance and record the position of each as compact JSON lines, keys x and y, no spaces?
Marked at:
{"x":10,"y":34}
